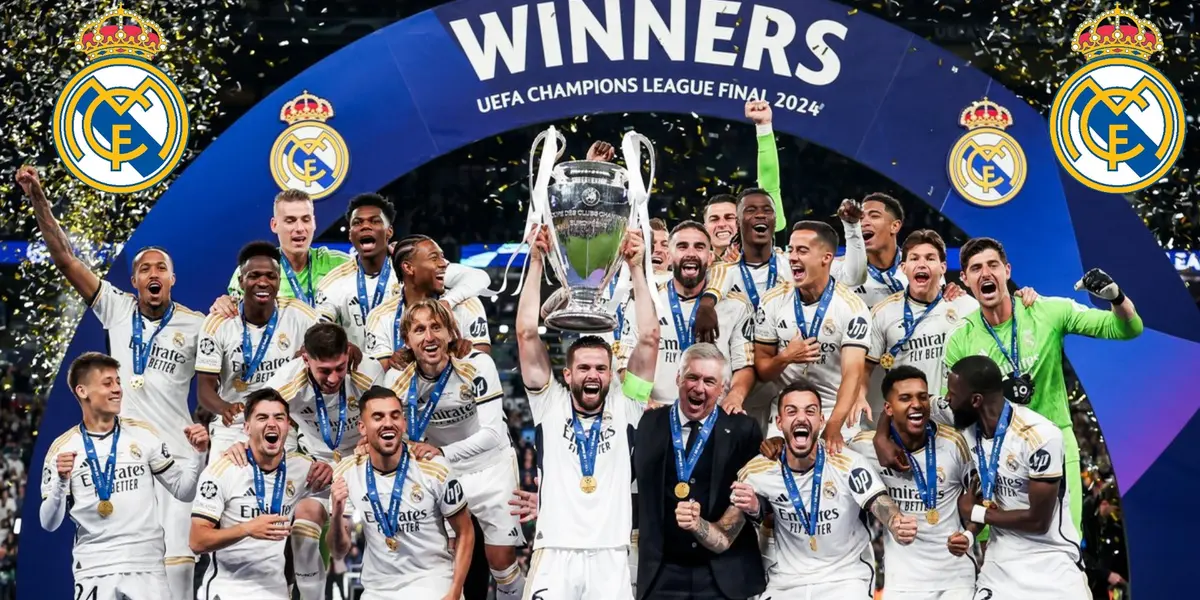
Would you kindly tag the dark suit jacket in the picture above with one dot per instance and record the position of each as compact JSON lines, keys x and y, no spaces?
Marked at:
{"x":735,"y":439}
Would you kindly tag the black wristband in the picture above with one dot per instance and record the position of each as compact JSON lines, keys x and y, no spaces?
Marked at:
{"x":1120,"y":297}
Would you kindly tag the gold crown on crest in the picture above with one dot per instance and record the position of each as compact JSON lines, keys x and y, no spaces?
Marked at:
{"x":119,"y":32}
{"x":985,"y":113}
{"x":1117,"y":33}
{"x":306,"y":107}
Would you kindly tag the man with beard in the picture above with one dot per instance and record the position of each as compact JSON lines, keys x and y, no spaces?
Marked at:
{"x":154,"y":340}
{"x":421,"y":268}
{"x":245,"y":532}
{"x":455,"y":410}
{"x":403,"y":500}
{"x":1028,"y":341}
{"x":691,"y":257}
{"x":107,"y":473}
{"x":316,"y":385}
{"x":237,"y":356}
{"x":816,"y":328}
{"x":349,"y":293}
{"x":1033,"y":552}
{"x":935,"y":566}
{"x":818,"y":499}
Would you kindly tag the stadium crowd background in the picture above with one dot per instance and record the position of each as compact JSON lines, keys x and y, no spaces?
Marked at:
{"x":477,"y":194}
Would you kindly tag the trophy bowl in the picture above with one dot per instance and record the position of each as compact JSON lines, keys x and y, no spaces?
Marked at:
{"x":590,"y":210}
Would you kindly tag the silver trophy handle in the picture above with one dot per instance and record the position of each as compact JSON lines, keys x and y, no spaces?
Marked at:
{"x":639,"y":191}
{"x":553,"y":145}
{"x":533,"y":157}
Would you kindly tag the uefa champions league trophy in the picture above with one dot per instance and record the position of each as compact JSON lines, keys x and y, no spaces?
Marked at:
{"x":588,"y":205}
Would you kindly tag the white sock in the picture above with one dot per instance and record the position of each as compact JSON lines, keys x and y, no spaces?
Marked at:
{"x":306,"y":560}
{"x":181,"y":577}
{"x":510,"y":583}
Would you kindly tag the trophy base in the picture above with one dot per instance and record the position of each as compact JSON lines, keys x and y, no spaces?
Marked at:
{"x":580,"y":320}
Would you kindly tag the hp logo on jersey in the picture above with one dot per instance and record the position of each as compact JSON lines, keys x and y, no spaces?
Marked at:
{"x":120,"y":124}
{"x":987,"y":166}
{"x":309,"y":155}
{"x":1117,"y":124}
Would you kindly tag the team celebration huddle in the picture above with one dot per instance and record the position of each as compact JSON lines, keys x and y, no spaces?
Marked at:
{"x":733,"y":420}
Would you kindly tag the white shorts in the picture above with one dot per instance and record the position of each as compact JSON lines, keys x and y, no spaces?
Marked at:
{"x":123,"y":586}
{"x":1036,"y":577}
{"x":487,"y":493}
{"x":222,"y":588}
{"x":176,"y":519}
{"x":562,"y":574}
{"x":429,"y":588}
{"x":849,"y":589}
{"x":955,"y":594}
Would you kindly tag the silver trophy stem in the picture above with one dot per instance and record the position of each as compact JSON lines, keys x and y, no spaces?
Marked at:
{"x":584,"y":313}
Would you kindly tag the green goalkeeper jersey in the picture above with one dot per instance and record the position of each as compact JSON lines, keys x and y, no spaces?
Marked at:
{"x":321,"y":261}
{"x":1040,"y":332}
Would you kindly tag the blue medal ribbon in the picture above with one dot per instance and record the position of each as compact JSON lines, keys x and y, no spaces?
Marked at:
{"x":808,"y":519}
{"x":887,"y":277}
{"x":260,"y":485}
{"x":988,"y":471}
{"x":418,"y":422}
{"x":141,"y":351}
{"x":397,"y":338}
{"x":748,"y":278}
{"x":388,"y":521}
{"x":252,"y":357}
{"x":683,"y":329}
{"x":926,"y":485}
{"x":685,"y":465}
{"x":910,"y":325}
{"x":1013,"y":357}
{"x":323,"y":417}
{"x":819,"y":317}
{"x":587,"y":443}
{"x":311,"y":297}
{"x":104,"y":480}
{"x":364,"y":307}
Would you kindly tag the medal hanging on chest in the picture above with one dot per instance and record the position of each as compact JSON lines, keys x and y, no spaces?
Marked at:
{"x":104,"y":480}
{"x":141,"y":350}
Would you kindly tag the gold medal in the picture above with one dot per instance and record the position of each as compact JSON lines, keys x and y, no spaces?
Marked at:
{"x":105,"y":508}
{"x":392,"y":544}
{"x":137,"y":382}
{"x":337,"y":456}
{"x":239,"y":385}
{"x":887,"y":361}
{"x":932,"y":517}
{"x":987,"y":503}
{"x":812,"y":543}
{"x":682,"y":489}
{"x":587,"y":484}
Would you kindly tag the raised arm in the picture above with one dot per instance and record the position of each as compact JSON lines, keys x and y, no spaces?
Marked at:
{"x":1121,"y":322}
{"x":181,"y":479}
{"x":759,"y":111}
{"x":56,"y":490}
{"x":533,"y":355}
{"x":78,"y":274}
{"x":463,"y":282}
{"x":643,"y":358}
{"x":854,"y":262}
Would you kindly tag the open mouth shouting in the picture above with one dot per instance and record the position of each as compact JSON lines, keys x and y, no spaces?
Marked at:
{"x":760,"y":232}
{"x":689,"y":268}
{"x":272,"y":437}
{"x":656,"y":260}
{"x":261,"y":294}
{"x":802,"y":436}
{"x":922,"y":277}
{"x":989,"y":288}
{"x":367,"y":243}
{"x":798,"y":272}
{"x":431,"y":351}
{"x":916,"y":419}
{"x":591,"y":389}
{"x":389,"y":437}
{"x":155,"y":287}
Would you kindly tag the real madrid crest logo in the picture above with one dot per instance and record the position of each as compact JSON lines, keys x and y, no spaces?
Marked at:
{"x":466,"y":392}
{"x":179,"y":340}
{"x":416,"y":494}
{"x":941,"y":476}
{"x":284,"y":342}
{"x":986,"y":166}
{"x":1117,"y":124}
{"x":290,"y":490}
{"x":829,"y":328}
{"x":829,"y":490}
{"x":1011,"y":463}
{"x":951,"y":315}
{"x":120,"y":124}
{"x":135,"y":451}
{"x":309,"y":155}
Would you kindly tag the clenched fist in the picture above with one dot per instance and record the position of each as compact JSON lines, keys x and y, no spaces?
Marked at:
{"x":759,"y":111}
{"x":687,"y":515}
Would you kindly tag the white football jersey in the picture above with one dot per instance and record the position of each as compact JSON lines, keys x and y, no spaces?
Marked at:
{"x":1033,"y":449}
{"x":162,"y":400}
{"x":619,"y":293}
{"x":567,"y":516}
{"x":431,"y":494}
{"x":726,"y":277}
{"x":468,"y":422}
{"x":227,"y":498}
{"x":734,"y":314}
{"x":875,"y":290}
{"x":384,"y":321}
{"x":926,"y":564}
{"x":848,"y":486}
{"x":338,"y":301}
{"x":847,"y":323}
{"x":129,"y":540}
{"x":292,"y":381}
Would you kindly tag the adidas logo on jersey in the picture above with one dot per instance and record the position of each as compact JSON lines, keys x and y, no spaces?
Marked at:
{"x":782,"y":498}
{"x":515,"y":533}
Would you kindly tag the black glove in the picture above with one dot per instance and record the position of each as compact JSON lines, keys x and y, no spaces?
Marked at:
{"x":1100,"y":285}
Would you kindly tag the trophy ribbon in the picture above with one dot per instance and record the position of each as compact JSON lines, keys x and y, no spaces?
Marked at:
{"x":639,"y":192}
{"x":539,"y":188}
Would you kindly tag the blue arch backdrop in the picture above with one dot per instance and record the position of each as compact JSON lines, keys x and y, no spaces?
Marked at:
{"x":888,"y":99}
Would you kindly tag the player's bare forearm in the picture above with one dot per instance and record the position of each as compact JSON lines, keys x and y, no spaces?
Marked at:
{"x":534,"y":358}
{"x":484,"y":348}
{"x":1125,"y":311}
{"x":207,"y":386}
{"x":719,"y":536}
{"x":884,"y":508}
{"x":742,"y":382}
{"x":1043,"y":495}
{"x":853,"y":360}
{"x":464,"y":535}
{"x":768,"y":364}
{"x":59,"y":246}
{"x":644,"y":357}
{"x":338,"y":537}
{"x":207,"y":537}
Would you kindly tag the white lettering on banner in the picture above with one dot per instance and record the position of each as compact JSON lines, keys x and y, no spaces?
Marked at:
{"x":771,"y":32}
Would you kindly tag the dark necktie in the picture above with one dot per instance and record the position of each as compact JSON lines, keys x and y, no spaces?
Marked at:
{"x":693,"y":433}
